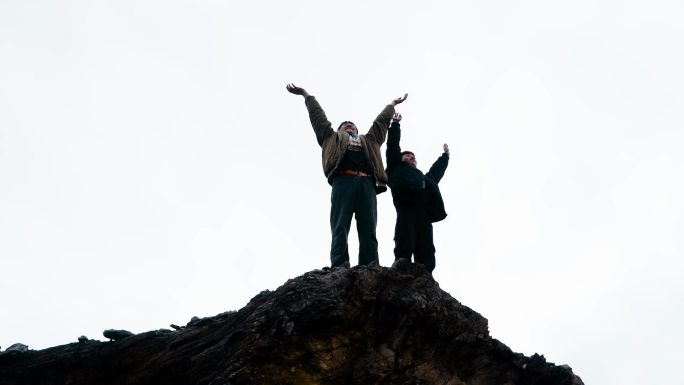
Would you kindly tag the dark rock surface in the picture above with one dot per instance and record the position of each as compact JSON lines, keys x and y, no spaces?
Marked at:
{"x":17,"y":348}
{"x":366,"y":325}
{"x":116,"y":334}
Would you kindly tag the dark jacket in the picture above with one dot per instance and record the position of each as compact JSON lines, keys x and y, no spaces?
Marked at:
{"x":410,"y":187}
{"x":334,"y":143}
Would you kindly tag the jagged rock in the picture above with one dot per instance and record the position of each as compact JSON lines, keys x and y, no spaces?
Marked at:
{"x":176,"y":327}
{"x":363,"y":325}
{"x":116,"y":334}
{"x":194,"y":321}
{"x":18,"y":348}
{"x":82,"y":339}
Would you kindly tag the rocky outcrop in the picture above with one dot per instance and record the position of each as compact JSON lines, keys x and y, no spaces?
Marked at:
{"x":365,"y":325}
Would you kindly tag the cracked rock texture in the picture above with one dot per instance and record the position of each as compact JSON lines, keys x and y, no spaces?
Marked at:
{"x":365,"y":325}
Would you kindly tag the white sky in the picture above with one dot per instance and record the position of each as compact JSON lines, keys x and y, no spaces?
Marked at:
{"x":153,"y":166}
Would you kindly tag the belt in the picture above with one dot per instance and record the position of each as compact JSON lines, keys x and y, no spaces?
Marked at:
{"x":351,"y":172}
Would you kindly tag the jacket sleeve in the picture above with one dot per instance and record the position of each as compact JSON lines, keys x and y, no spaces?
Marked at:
{"x":438,"y":168}
{"x":393,"y":152}
{"x":320,"y":123}
{"x":378,"y":131}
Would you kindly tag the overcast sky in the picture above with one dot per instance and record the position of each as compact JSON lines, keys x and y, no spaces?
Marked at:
{"x":153,"y":166}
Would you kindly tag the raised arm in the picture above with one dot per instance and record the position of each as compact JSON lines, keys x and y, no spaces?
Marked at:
{"x":439,"y":167}
{"x":378,"y":130}
{"x":393,"y":151}
{"x":320,"y":123}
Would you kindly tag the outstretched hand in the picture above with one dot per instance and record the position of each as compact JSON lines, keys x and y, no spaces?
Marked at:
{"x":296,"y":90}
{"x":397,"y":117}
{"x":399,"y":100}
{"x":446,"y":149}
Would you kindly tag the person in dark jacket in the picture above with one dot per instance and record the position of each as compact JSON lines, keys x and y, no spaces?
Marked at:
{"x":417,"y":199}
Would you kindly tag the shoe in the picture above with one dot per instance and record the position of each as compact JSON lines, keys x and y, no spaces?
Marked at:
{"x":345,"y":265}
{"x":400,"y":263}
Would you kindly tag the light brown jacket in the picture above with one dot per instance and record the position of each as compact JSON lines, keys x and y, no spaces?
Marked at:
{"x":334,"y":143}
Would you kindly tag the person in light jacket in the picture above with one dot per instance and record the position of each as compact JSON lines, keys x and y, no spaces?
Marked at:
{"x":353,"y":166}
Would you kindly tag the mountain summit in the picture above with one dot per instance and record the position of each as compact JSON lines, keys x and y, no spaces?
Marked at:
{"x":364,"y":325}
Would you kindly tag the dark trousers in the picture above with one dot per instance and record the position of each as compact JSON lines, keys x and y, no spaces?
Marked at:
{"x":353,"y":195}
{"x":413,"y":235}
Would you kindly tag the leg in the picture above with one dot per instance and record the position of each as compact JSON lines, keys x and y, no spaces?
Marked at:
{"x":425,"y":248}
{"x":341,"y":210}
{"x":404,"y":233}
{"x":366,"y":211}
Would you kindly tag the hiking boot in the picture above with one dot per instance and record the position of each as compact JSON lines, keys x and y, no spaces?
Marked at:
{"x":401,"y":263}
{"x":345,"y":265}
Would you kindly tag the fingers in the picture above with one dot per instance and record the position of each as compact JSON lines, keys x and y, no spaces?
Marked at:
{"x":294,"y":89}
{"x":400,"y":100}
{"x":397,"y":117}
